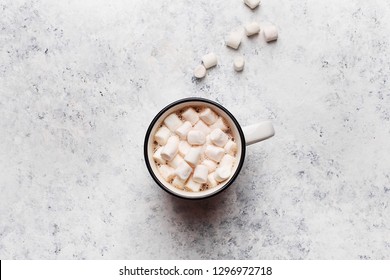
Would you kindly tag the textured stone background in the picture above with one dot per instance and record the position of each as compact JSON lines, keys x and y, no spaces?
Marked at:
{"x":81,"y":80}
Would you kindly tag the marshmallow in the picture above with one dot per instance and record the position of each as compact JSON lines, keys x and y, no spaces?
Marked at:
{"x":169,"y":151}
{"x":200,"y":72}
{"x":211,"y":165}
{"x":227,"y":161}
{"x":167,"y":172}
{"x":222,"y":173}
{"x":173,"y":122}
{"x":178,"y":183}
{"x":200,"y":174}
{"x":234,"y":40}
{"x":208,"y":116}
{"x":200,"y":125}
{"x":252,"y":3}
{"x":252,"y":29}
{"x":238,"y":63}
{"x":214,"y":153}
{"x":162,"y":135}
{"x":219,"y":124}
{"x":183,"y":171}
{"x":196,"y":137}
{"x":184,"y":147}
{"x":190,"y":115}
{"x":157,"y":156}
{"x":230,"y":147}
{"x":270,"y":33}
{"x":183,"y":130}
{"x":192,"y":185}
{"x":193,"y":155}
{"x":211,"y":180}
{"x":218,"y":137}
{"x":176,"y":161}
{"x":209,"y":60}
{"x":208,"y":140}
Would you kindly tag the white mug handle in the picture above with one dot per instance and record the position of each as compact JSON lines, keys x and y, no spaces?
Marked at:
{"x":258,"y":132}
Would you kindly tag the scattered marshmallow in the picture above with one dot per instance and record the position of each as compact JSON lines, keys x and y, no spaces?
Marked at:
{"x":162,"y":135}
{"x":157,"y":156}
{"x":178,"y":183}
{"x":174,"y":163}
{"x":169,"y":151}
{"x":270,"y":33}
{"x":200,"y":174}
{"x":252,"y":29}
{"x":252,"y":3}
{"x":227,"y":161}
{"x":199,"y":71}
{"x":183,"y":130}
{"x":196,"y":137}
{"x":211,"y":180}
{"x":173,"y":122}
{"x":190,"y":115}
{"x":214,"y":153}
{"x":193,"y":186}
{"x":211,"y":165}
{"x":208,"y":116}
{"x":230,"y":147}
{"x":234,"y":40}
{"x":222,"y":173}
{"x":193,"y":155}
{"x":209,"y":60}
{"x":219,"y":124}
{"x":184,"y":147}
{"x":183,"y":171}
{"x":200,"y":125}
{"x":218,"y":137}
{"x":239,"y":63}
{"x":167,"y":172}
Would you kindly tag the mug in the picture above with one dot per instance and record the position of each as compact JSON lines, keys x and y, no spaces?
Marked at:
{"x":243,"y":137}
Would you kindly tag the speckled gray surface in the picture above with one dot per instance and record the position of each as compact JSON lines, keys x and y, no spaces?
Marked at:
{"x":81,"y":80}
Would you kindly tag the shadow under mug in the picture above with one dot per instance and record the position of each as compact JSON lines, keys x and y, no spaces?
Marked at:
{"x":243,"y":137}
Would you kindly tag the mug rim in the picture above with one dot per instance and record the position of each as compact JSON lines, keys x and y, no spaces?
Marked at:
{"x":178,"y":102}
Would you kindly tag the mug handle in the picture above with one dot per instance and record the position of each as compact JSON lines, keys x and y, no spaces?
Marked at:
{"x":258,"y":132}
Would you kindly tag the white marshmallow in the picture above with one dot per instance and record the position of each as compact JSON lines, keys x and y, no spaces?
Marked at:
{"x":220,"y":123}
{"x":200,"y":174}
{"x":208,"y":116}
{"x":167,"y":172}
{"x":196,"y":137}
{"x":184,"y":147}
{"x":193,"y":155}
{"x":176,"y":161}
{"x":200,"y":125}
{"x":214,"y":153}
{"x":218,"y":137}
{"x":230,"y":147}
{"x":227,"y":161}
{"x":169,"y":151}
{"x":238,"y":63}
{"x":208,"y":140}
{"x":252,"y":3}
{"x":252,"y":29}
{"x":209,"y":60}
{"x":157,"y":156}
{"x":270,"y":33}
{"x":199,"y":71}
{"x":211,"y":165}
{"x":183,"y":171}
{"x":234,"y":40}
{"x":192,"y":185}
{"x":178,"y":183}
{"x":190,"y":115}
{"x":183,"y":129}
{"x":173,"y":122}
{"x":211,"y":180}
{"x":222,"y":173}
{"x":162,"y":135}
